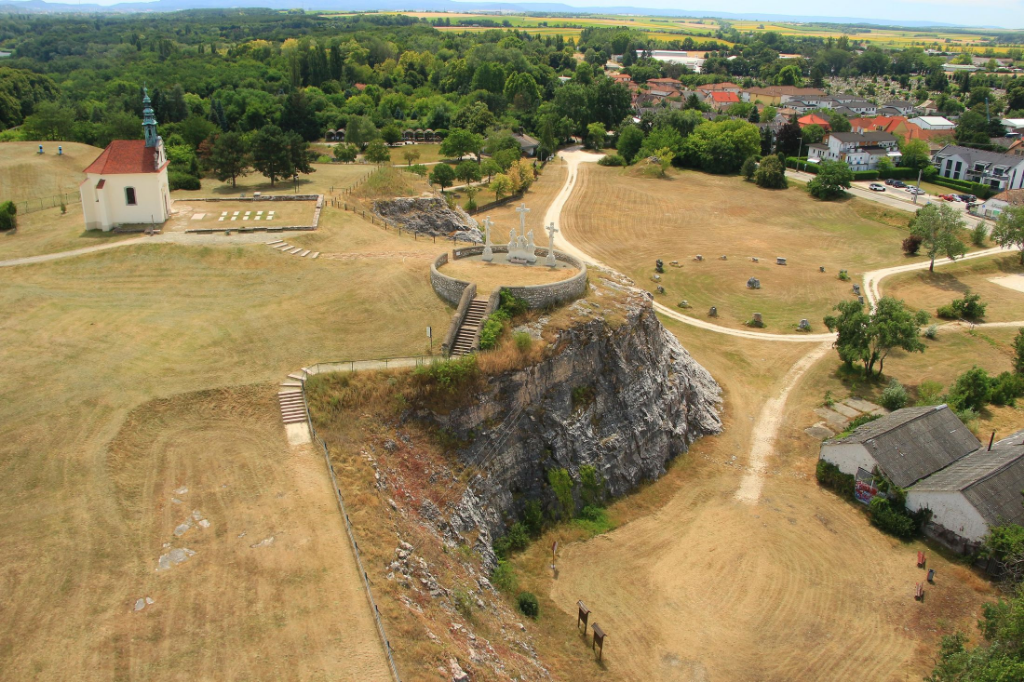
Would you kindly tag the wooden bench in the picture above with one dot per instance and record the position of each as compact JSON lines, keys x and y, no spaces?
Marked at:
{"x":931,"y":575}
{"x":920,"y":560}
{"x":598,"y":640}
{"x":919,"y":592}
{"x":583,"y":616}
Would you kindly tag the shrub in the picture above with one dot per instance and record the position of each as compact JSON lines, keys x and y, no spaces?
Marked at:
{"x":533,"y":518}
{"x":491,"y":331}
{"x":932,"y":332}
{"x":911,"y":245}
{"x":1006,"y":388}
{"x":831,"y":477}
{"x":8,"y":216}
{"x":1018,"y":352}
{"x":971,"y":390}
{"x":180,"y":180}
{"x":561,"y":484}
{"x":611,"y":160}
{"x":346,"y":153}
{"x":969,"y":307}
{"x":770,"y":174}
{"x":594,"y":520}
{"x":891,"y":519}
{"x":979,"y":234}
{"x":858,"y":422}
{"x":593,"y":486}
{"x":523,"y":341}
{"x":515,"y":540}
{"x":527,"y":603}
{"x":463,"y":602}
{"x":929,"y":393}
{"x":323,"y":158}
{"x":419,"y":169}
{"x":504,"y":577}
{"x":844,"y":276}
{"x":894,"y":396}
{"x":749,"y":167}
{"x":967,"y":415}
{"x":450,"y":375}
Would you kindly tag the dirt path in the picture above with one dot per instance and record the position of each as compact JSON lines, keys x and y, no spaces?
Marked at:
{"x":28,"y":260}
{"x":873,"y":279}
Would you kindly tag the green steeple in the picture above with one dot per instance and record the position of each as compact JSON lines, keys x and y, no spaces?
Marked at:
{"x":148,"y":120}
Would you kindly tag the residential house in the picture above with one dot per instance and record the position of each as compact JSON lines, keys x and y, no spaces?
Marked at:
{"x":933,"y":123}
{"x":997,"y":204}
{"x":896,"y":125}
{"x":127,"y":183}
{"x":904,"y":107}
{"x":800,"y":106}
{"x":995,"y":169}
{"x":666,"y":84}
{"x":814,"y":119}
{"x":719,"y":100}
{"x":527,"y":144}
{"x":860,"y":151}
{"x":1013,"y":124}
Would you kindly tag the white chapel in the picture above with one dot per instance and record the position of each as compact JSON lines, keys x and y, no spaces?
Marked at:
{"x":127,"y":183}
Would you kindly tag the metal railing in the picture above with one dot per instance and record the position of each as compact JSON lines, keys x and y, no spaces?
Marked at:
{"x":352,"y":538}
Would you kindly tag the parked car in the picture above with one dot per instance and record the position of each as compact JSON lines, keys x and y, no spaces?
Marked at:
{"x":949,"y":197}
{"x":890,"y":181}
{"x":967,"y":198}
{"x":915,"y":190}
{"x":875,"y":187}
{"x":898,"y":183}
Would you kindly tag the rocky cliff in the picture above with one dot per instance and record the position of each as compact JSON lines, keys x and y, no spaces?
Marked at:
{"x":621,"y":396}
{"x":429,"y":216}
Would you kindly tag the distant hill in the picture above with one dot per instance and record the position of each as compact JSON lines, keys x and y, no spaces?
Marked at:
{"x":38,"y":6}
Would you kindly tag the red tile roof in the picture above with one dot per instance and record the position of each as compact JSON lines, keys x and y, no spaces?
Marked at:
{"x":125,"y":156}
{"x":814,"y":119}
{"x":725,"y":97}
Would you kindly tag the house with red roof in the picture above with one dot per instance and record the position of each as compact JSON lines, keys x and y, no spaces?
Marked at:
{"x":127,"y":183}
{"x":814,"y":120}
{"x":721,"y":100}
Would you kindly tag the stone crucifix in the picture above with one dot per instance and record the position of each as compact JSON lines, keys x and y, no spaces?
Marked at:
{"x":487,"y":255}
{"x":522,"y":211}
{"x":550,"y":260}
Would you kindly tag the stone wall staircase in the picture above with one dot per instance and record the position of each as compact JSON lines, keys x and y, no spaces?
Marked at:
{"x":469,"y":327}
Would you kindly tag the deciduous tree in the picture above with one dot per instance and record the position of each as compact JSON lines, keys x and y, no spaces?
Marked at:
{"x":939,"y":227}
{"x":1009,"y":229}
{"x":229,"y":157}
{"x":442,"y":175}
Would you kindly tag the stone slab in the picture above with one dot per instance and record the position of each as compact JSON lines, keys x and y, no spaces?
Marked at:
{"x":835,"y":420}
{"x":819,"y":431}
{"x":863,"y":406}
{"x":846,"y":411}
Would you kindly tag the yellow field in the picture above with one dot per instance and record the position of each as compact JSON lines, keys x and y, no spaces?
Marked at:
{"x":139,"y":371}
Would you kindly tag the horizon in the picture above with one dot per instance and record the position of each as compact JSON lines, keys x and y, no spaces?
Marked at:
{"x":992,"y":14}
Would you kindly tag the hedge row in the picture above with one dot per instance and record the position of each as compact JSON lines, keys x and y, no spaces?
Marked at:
{"x":976,"y":188}
{"x":831,"y":477}
{"x":899,"y":174}
{"x":865,"y":175}
{"x":801,"y":165}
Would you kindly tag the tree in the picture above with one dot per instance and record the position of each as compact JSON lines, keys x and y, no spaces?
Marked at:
{"x":916,"y":154}
{"x":869,"y":338}
{"x":972,"y":129}
{"x":391,"y":133}
{"x":596,"y":135}
{"x":360,"y":131}
{"x":789,"y":75}
{"x":411,"y":155}
{"x":771,"y":174}
{"x":832,"y":179}
{"x":442,"y":175}
{"x":749,"y":167}
{"x":722,"y":146}
{"x":789,"y":138}
{"x":1009,"y":229}
{"x":501,"y":186}
{"x":1018,"y":352}
{"x":8,"y":216}
{"x":52,"y":121}
{"x":461,"y":142}
{"x":377,"y":152}
{"x":271,"y":155}
{"x":971,"y":390}
{"x":229,"y":157}
{"x":468,"y":172}
{"x":939,"y":228}
{"x":812,"y":134}
{"x":490,"y":168}
{"x":631,"y":138}
{"x":755,"y":115}
{"x":299,"y":116}
{"x":195,"y":129}
{"x":346,"y":152}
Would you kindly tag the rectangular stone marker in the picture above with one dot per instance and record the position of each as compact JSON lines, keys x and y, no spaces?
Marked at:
{"x":248,"y":213}
{"x":270,"y":217}
{"x":234,"y":218}
{"x":259,"y":217}
{"x":224,"y":213}
{"x":198,"y":216}
{"x":220,"y":219}
{"x":270,"y":212}
{"x":245,"y":217}
{"x":235,"y":213}
{"x":780,"y":261}
{"x":259,"y":212}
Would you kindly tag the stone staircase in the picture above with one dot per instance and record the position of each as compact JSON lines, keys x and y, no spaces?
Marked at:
{"x":469,"y":327}
{"x":293,"y":405}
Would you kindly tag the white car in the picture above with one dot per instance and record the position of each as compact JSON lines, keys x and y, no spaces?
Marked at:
{"x":875,"y":187}
{"x":915,"y":190}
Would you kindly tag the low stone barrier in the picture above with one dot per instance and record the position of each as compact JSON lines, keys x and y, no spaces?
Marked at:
{"x":468,"y":294}
{"x":536,"y":296}
{"x":318,"y":198}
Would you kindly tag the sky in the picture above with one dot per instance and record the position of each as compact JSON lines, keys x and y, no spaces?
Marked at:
{"x":995,"y":13}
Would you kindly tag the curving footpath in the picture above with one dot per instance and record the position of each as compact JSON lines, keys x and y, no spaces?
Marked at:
{"x":769,"y":419}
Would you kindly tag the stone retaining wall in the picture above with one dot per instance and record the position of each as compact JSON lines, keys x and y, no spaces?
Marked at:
{"x":468,"y":294}
{"x":448,"y":288}
{"x":269,"y":197}
{"x":536,"y":296}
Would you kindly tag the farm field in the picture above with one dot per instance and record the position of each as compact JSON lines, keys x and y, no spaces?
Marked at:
{"x":630,"y":222}
{"x":138,"y":371}
{"x":25,"y":174}
{"x":696,"y":585}
{"x":48,"y":231}
{"x":927,"y":291}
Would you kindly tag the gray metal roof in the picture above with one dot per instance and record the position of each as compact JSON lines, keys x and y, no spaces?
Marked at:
{"x":914,"y":442}
{"x":991,"y":480}
{"x":973,"y":156}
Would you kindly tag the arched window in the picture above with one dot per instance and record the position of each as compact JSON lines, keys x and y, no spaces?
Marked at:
{"x":129,"y":196}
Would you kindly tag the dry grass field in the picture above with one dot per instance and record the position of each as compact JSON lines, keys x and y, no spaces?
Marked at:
{"x":48,"y":231}
{"x":338,"y":176}
{"x":119,"y":370}
{"x":629,"y":222}
{"x":202,"y":214}
{"x":927,"y":291}
{"x":694,"y":585}
{"x":537,"y":199}
{"x":26,"y":175}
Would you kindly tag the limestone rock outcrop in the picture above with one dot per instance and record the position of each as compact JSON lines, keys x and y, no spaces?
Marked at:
{"x":429,"y":216}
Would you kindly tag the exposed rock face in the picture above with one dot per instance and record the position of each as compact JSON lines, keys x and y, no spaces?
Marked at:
{"x":429,"y":216}
{"x":624,"y":400}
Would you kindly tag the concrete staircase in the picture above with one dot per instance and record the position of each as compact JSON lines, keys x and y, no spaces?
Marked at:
{"x":293,"y":407}
{"x":469,"y":327}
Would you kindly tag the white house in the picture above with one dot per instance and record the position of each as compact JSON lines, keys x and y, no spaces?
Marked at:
{"x":973,"y":494}
{"x":860,"y":151}
{"x":995,"y":169}
{"x":933,"y":123}
{"x":997,"y":204}
{"x":693,"y":63}
{"x":905,"y":446}
{"x":903,"y":106}
{"x":127,"y":183}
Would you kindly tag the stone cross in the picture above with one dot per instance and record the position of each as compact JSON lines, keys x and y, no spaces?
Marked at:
{"x":487,"y":255}
{"x":550,"y":261}
{"x":522,"y":211}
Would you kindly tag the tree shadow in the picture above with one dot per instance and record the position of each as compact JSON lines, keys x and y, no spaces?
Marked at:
{"x":945,"y":282}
